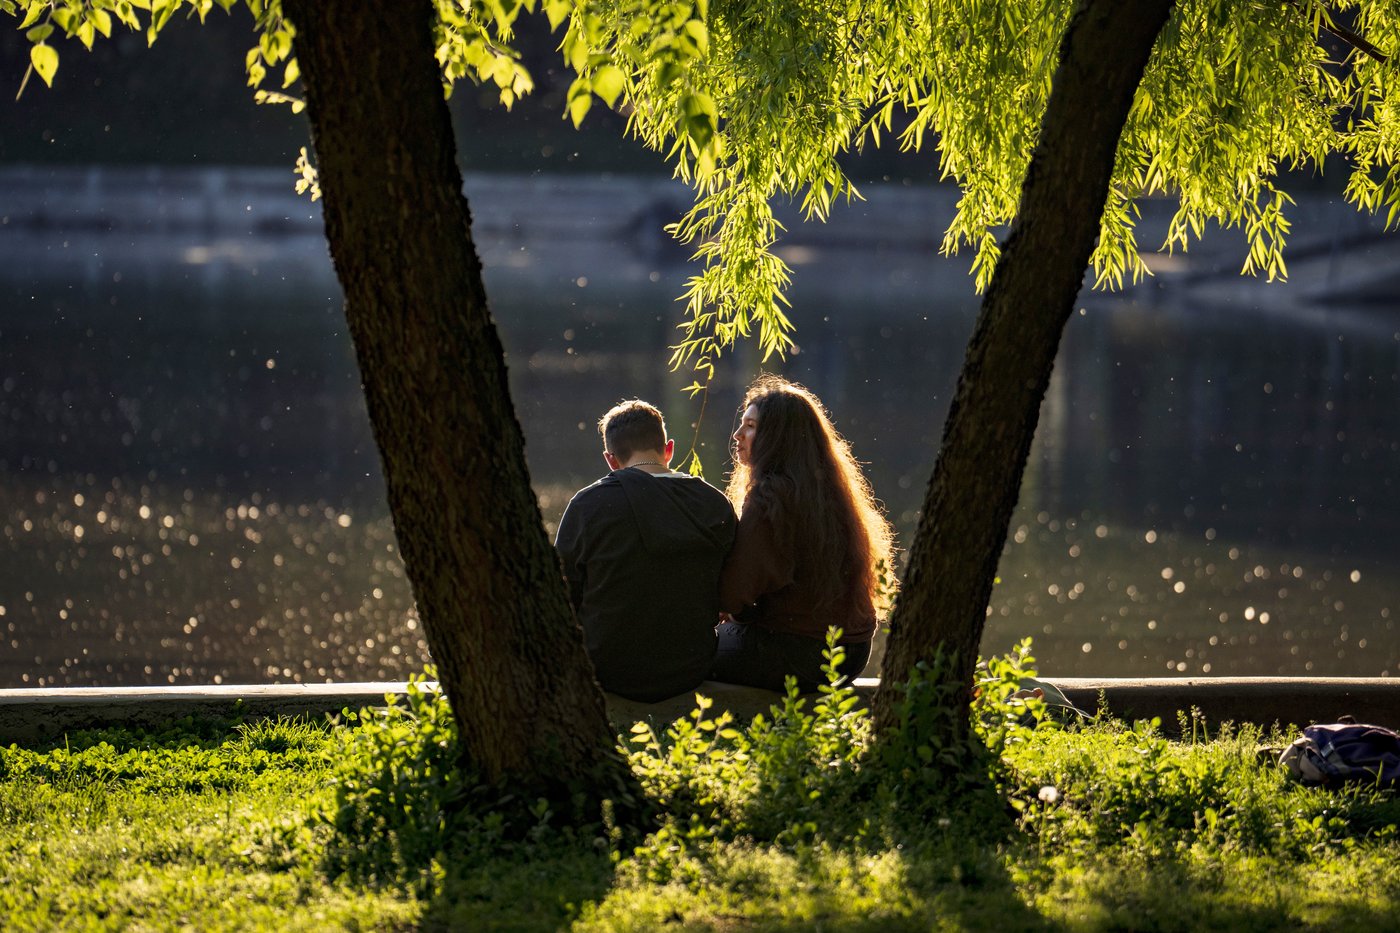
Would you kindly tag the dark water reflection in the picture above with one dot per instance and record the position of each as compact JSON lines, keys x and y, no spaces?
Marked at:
{"x":191,"y":492}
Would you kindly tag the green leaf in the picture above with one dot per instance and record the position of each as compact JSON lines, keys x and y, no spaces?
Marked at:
{"x":701,"y":129}
{"x":580,"y":100}
{"x":502,"y":71}
{"x":39,"y":33}
{"x":557,"y":11}
{"x":44,"y":58}
{"x":575,"y":49}
{"x":31,"y":16}
{"x":699,"y":35}
{"x":607,"y":83}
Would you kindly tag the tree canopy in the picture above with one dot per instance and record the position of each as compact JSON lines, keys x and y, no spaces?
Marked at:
{"x":756,"y":99}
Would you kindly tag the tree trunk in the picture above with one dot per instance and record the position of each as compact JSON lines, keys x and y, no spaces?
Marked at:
{"x":509,"y":653}
{"x":987,"y":438}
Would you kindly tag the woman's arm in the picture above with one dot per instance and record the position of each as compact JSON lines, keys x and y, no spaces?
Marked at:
{"x":754,"y":567}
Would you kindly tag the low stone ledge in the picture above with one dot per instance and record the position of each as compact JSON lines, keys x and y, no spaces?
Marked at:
{"x":39,"y":714}
{"x":1262,"y":701}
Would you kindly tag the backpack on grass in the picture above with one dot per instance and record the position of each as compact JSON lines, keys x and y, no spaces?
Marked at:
{"x":1333,"y":754}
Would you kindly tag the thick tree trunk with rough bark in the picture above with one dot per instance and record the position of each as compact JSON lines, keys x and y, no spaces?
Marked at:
{"x":992,"y":421}
{"x":509,"y":653}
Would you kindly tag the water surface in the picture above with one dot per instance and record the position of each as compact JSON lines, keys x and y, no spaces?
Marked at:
{"x":191,"y":492}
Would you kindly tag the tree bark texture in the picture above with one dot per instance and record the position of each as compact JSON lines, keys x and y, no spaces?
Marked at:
{"x":509,"y":653}
{"x":991,"y":423}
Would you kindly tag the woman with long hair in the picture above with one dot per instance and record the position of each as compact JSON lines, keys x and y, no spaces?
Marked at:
{"x":811,"y":548}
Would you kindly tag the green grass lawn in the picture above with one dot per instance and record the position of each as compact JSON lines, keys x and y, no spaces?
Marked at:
{"x":296,"y":826}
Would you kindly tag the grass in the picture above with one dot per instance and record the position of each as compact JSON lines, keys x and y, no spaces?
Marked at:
{"x":214,"y":826}
{"x":114,"y":830}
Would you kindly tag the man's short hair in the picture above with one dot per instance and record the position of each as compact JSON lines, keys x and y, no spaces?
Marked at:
{"x":633,"y":426}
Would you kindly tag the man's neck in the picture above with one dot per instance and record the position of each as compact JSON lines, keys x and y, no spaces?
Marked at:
{"x":647,"y":463}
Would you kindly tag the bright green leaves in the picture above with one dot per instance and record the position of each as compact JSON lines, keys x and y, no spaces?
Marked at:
{"x":275,"y":42}
{"x":83,"y":20}
{"x":759,"y":99}
{"x":750,"y":100}
{"x":699,"y":124}
{"x":697,"y":35}
{"x":44,"y":59}
{"x":556,"y":11}
{"x":472,"y":36}
{"x":308,"y":180}
{"x":579,"y":101}
{"x":596,"y":71}
{"x":33,"y":9}
{"x":607,"y":83}
{"x":975,"y":79}
{"x":86,"y":20}
{"x":473,"y":41}
{"x":274,"y":49}
{"x":645,"y":53}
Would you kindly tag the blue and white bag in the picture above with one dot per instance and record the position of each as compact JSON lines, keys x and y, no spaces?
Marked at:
{"x":1334,"y":754}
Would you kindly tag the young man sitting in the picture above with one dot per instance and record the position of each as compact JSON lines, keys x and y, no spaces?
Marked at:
{"x":642,"y":550}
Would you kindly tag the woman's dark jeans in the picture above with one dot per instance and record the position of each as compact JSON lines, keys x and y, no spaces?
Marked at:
{"x":758,"y":657}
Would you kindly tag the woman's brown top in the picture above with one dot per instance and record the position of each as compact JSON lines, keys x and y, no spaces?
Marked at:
{"x":758,"y":586}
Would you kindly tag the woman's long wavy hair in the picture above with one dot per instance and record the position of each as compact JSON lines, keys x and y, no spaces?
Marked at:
{"x":802,"y":476}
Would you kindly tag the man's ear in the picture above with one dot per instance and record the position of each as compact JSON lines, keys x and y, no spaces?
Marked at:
{"x":669,"y":452}
{"x":612,"y":462}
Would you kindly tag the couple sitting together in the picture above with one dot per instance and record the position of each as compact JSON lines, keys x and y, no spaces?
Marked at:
{"x":654,"y":558}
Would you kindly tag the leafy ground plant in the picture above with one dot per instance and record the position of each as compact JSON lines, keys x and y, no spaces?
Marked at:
{"x":790,"y":822}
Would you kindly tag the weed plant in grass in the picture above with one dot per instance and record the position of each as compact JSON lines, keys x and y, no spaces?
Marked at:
{"x":791,"y":822}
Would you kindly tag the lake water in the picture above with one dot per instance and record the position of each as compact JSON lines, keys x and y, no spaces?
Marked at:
{"x":190,"y":492}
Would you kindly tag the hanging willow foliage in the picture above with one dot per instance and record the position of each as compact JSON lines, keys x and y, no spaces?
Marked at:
{"x":752,"y":100}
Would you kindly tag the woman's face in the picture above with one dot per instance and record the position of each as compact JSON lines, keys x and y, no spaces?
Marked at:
{"x":743,"y":437}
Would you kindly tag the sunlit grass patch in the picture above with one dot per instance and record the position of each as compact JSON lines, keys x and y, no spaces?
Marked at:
{"x":115,"y":830}
{"x":1114,"y":785}
{"x":1207,"y":889}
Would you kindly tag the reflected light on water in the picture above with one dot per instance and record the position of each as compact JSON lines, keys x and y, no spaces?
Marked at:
{"x":1076,"y":586}
{"x":121,"y":590}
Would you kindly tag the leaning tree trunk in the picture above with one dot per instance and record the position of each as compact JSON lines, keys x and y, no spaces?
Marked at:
{"x":1006,"y":370}
{"x":509,"y":654}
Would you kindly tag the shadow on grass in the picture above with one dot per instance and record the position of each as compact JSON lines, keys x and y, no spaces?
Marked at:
{"x":544,"y":891}
{"x":949,"y":884}
{"x":954,"y":879}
